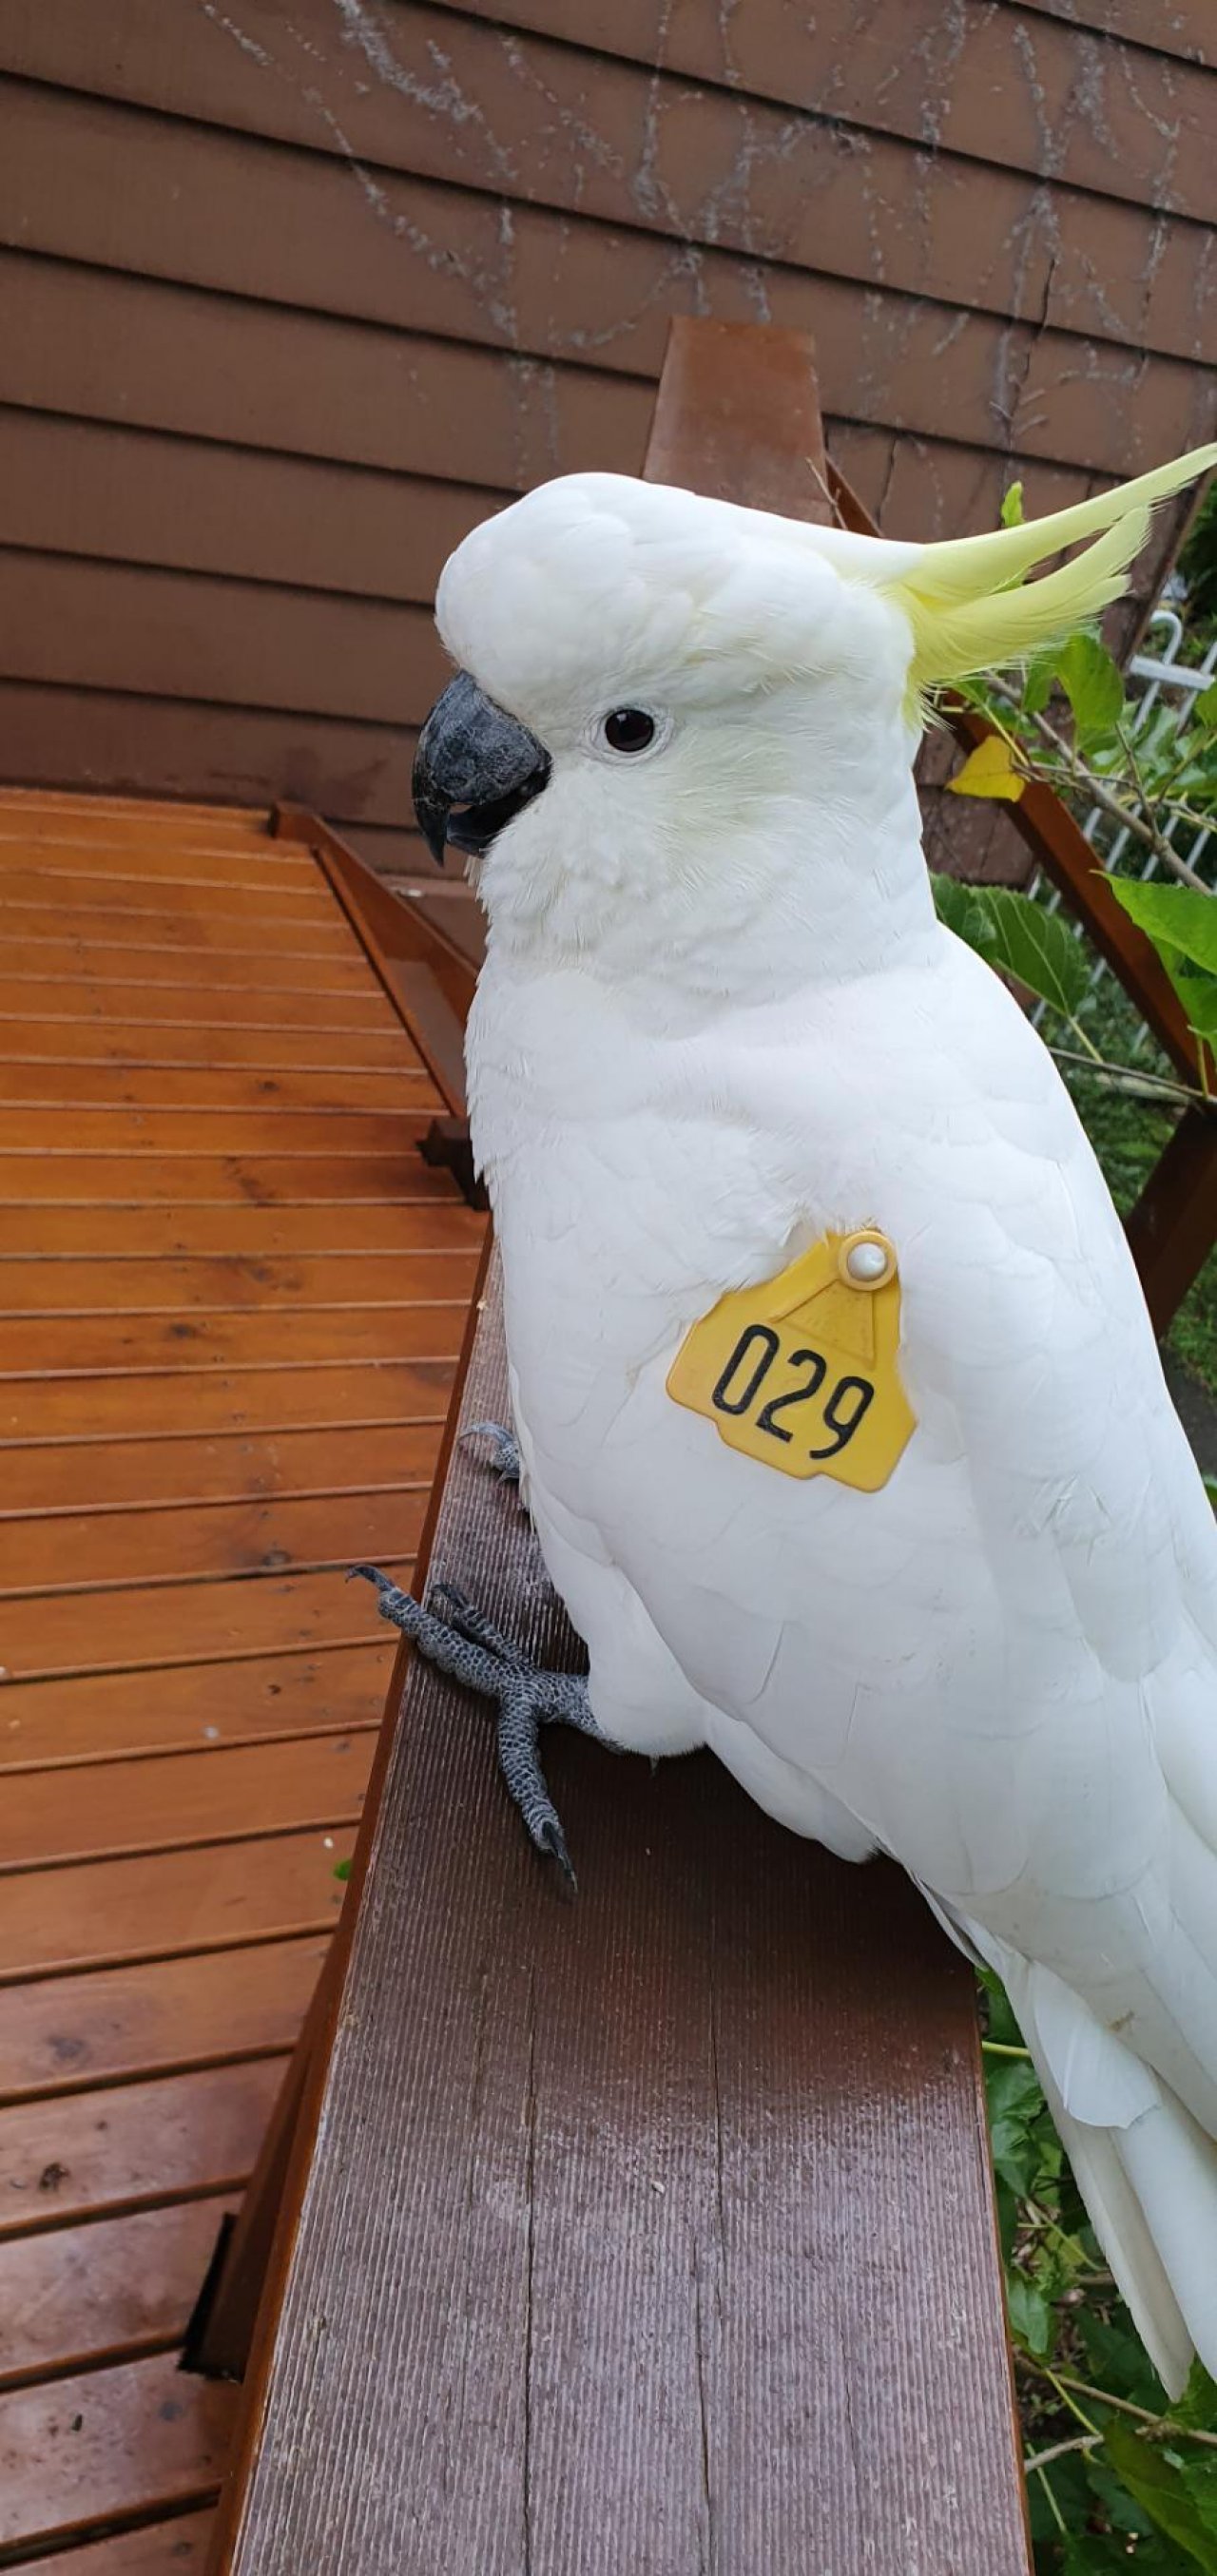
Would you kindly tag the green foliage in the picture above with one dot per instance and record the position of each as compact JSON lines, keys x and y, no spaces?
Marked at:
{"x":1117,"y":2476}
{"x":1182,"y":923}
{"x":1094,"y":686}
{"x":1034,"y":947}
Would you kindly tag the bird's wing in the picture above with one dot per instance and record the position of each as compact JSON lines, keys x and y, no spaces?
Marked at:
{"x":1002,"y":1664}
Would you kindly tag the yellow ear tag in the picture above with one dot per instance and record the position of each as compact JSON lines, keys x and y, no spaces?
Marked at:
{"x":802,"y":1372}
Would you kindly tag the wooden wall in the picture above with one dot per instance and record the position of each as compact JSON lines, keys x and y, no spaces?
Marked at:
{"x":290,"y":296}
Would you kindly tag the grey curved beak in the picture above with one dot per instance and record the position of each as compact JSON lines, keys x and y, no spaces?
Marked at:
{"x":474,"y":770}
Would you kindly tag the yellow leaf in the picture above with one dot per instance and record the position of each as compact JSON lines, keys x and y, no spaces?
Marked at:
{"x":989,"y":771}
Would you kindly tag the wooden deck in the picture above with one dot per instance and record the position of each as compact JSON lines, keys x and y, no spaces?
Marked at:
{"x":231,"y":1300}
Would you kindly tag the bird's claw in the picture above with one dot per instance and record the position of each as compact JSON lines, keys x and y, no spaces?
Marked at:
{"x":460,"y":1641}
{"x":505,"y":1458}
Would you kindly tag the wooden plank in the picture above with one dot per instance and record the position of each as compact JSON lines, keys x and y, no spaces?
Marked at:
{"x":392,"y":1225}
{"x":77,"y":1345}
{"x":83,"y":2452}
{"x":159,"y":1007}
{"x":185,"y":1623}
{"x":109,"y":1716}
{"x":173,"y":1801}
{"x":131,"y":2145}
{"x":218,"y":819}
{"x":236,"y":969}
{"x":198,"y":1401}
{"x":310,"y":651}
{"x":207,"y":1087}
{"x":220,"y":1178}
{"x":108,"y":1911}
{"x":57,"y":1041}
{"x":119,"y":877}
{"x":82,"y":1551}
{"x":349,"y":768}
{"x":1173,"y":1227}
{"x":174,"y":2548}
{"x":238,"y":1131}
{"x":105,"y":2292}
{"x":240,"y":1466}
{"x":578,"y":126}
{"x":66,"y":2033}
{"x":223,"y":1283}
{"x":758,"y":2050}
{"x":291,"y":934}
{"x":84,"y":487}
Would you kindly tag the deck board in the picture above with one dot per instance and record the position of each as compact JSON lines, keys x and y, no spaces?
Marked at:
{"x":232,"y":1297}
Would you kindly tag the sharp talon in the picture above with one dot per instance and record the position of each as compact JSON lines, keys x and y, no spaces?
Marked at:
{"x":371,"y":1574}
{"x":506,"y":1451}
{"x":551,"y":1839}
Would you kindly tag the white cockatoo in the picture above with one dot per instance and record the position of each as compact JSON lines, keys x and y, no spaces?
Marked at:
{"x":723,"y":1050}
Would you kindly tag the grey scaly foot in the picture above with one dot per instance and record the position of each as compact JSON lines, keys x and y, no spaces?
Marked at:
{"x":463,"y":1643}
{"x":505,"y":1452}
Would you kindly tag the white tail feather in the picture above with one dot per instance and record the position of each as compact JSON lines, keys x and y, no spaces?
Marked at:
{"x":1148,"y":2174}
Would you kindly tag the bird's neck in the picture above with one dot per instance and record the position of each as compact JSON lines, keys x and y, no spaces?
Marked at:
{"x":815,"y":896}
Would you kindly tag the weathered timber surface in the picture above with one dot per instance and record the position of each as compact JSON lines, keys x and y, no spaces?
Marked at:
{"x":653,"y":2231}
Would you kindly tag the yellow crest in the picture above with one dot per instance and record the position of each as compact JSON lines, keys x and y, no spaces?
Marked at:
{"x":802,"y":1372}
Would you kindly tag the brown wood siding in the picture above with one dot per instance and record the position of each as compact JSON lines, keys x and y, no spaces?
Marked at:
{"x":287,"y":308}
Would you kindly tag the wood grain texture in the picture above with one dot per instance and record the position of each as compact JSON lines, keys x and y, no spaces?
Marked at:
{"x":95,"y":2449}
{"x":142,"y":1627}
{"x":290,"y":227}
{"x":38,"y":1345}
{"x":260,"y":1888}
{"x":636,"y":2288}
{"x":176,"y":1801}
{"x":432,"y":1222}
{"x":118,"y":2287}
{"x":174,"y":2548}
{"x":107,"y":1717}
{"x":122,"y":1474}
{"x":275,"y":347}
{"x":131,"y":2145}
{"x":183,"y":1402}
{"x":229,"y":1283}
{"x":62,"y":2035}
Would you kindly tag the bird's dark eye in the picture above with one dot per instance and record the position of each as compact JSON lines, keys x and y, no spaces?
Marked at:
{"x":629,"y":729}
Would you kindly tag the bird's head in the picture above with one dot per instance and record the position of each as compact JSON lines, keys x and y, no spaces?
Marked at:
{"x":682,"y":725}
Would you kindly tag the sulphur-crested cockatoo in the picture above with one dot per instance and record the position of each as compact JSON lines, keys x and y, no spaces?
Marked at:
{"x":906,"y":1530}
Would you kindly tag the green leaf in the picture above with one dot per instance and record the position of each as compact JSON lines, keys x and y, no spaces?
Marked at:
{"x":1153,"y":2478}
{"x":1198,"y":2404}
{"x":1116,"y":2358}
{"x":953,"y":902}
{"x":1198,"y":2471}
{"x":1012,"y":506}
{"x":1039,"y":681}
{"x":1001,"y":2024}
{"x":1119,"y":2508}
{"x":1094,"y":686}
{"x":1031,"y":2318}
{"x":342,"y":1869}
{"x":1036,"y":947}
{"x":1173,"y":916}
{"x":1204,"y":711}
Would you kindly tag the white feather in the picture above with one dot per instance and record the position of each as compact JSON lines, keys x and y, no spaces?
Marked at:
{"x":717,"y":1018}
